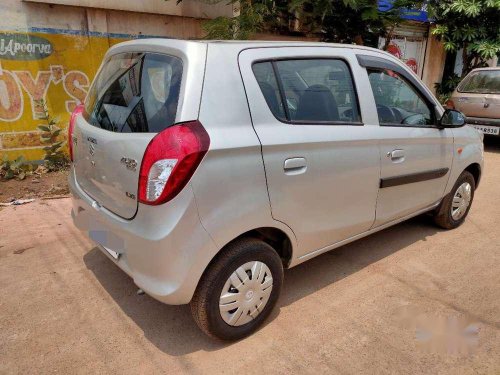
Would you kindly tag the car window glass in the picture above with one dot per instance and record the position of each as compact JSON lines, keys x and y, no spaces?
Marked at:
{"x":264,"y":73}
{"x":313,"y":90}
{"x":135,"y":93}
{"x":482,"y":82}
{"x":398,"y":102}
{"x":318,"y":90}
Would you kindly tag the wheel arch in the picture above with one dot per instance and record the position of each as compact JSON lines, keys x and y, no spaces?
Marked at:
{"x":274,"y":237}
{"x":475,"y":170}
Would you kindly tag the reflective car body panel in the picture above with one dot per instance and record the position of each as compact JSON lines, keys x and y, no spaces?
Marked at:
{"x":320,"y":184}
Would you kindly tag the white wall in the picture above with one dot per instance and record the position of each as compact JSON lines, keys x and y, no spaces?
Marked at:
{"x":187,"y":8}
{"x":18,"y":15}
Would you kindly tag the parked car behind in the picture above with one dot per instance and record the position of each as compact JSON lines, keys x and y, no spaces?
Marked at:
{"x":203,"y":169}
{"x":478,"y":97}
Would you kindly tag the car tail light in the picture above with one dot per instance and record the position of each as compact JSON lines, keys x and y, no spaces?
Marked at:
{"x":450,"y":104}
{"x":78,"y":110}
{"x":170,"y":160}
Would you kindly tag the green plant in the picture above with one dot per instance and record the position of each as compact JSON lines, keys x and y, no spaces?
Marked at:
{"x":55,"y":158}
{"x":341,"y":21}
{"x":18,"y":168}
{"x":445,"y":88}
{"x":286,"y":17}
{"x":250,"y":20}
{"x":470,"y":26}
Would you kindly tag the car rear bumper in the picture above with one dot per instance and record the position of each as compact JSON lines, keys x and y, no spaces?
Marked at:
{"x":487,"y":126}
{"x":483,"y":121}
{"x":165,"y":249}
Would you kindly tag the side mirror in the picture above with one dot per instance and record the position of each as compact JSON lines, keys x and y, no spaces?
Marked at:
{"x":452,"y":119}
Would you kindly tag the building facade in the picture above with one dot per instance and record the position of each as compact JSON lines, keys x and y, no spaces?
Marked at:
{"x":413,"y":43}
{"x":50,"y":50}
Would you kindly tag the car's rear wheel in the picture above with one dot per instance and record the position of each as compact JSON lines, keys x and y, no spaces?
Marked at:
{"x":238,"y":290}
{"x":456,"y":205}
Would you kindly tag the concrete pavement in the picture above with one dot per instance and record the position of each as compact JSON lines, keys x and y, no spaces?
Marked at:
{"x":410,"y":299}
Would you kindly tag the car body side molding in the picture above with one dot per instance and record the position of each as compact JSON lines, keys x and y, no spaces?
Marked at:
{"x":414,"y":177}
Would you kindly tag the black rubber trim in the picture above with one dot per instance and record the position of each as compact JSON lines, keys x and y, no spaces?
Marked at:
{"x":367,"y":61}
{"x":414,"y":177}
{"x":483,"y":121}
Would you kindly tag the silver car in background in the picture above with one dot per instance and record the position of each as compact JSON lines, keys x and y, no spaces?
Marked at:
{"x":203,"y":169}
{"x":478,"y":98}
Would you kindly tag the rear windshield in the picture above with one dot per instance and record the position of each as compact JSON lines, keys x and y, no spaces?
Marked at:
{"x":135,"y":93}
{"x":483,"y":82}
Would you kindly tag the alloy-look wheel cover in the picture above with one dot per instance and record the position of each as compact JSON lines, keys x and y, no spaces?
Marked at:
{"x":245,"y":293}
{"x":461,"y":201}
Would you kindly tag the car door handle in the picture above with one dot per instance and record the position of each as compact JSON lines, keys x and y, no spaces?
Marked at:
{"x":396,"y":155}
{"x":295,"y":166}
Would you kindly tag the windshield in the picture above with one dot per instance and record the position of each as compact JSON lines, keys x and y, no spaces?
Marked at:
{"x":482,"y":82}
{"x":135,"y":93}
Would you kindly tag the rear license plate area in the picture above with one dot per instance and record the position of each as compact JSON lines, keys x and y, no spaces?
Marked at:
{"x":491,"y":130}
{"x":113,"y":253}
{"x":110,"y":242}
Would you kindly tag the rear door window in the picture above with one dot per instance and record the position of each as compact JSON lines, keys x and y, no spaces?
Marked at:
{"x":135,"y":93}
{"x":310,"y":90}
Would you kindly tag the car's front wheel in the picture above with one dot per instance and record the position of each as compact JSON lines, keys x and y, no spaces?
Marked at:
{"x":238,"y":290}
{"x":456,"y":205}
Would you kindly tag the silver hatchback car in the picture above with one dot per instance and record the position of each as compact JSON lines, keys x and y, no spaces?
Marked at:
{"x":203,"y":169}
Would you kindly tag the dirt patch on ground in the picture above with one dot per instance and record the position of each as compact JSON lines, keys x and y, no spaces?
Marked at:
{"x":412,"y":299}
{"x":35,"y":186}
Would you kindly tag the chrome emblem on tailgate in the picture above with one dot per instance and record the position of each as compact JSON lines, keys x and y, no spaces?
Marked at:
{"x":92,"y":144}
{"x":129,"y":163}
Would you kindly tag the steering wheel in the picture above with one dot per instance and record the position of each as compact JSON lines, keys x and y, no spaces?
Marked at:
{"x":386,"y":114}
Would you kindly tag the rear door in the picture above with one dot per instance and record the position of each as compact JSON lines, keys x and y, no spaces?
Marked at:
{"x":134,"y":96}
{"x":321,"y":161}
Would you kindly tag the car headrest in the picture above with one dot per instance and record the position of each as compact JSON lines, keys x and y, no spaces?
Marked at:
{"x":317,"y":103}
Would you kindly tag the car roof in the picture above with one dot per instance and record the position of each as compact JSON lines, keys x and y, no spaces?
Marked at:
{"x":278,"y":43}
{"x":244,"y":44}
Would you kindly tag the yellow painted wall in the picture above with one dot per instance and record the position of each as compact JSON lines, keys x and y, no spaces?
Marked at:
{"x":56,"y":66}
{"x":70,"y":42}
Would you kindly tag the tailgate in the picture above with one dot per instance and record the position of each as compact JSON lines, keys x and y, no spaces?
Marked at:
{"x":107,"y":166}
{"x":134,"y":96}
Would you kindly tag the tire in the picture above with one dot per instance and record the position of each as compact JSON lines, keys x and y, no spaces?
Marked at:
{"x":238,"y":255}
{"x":444,"y":216}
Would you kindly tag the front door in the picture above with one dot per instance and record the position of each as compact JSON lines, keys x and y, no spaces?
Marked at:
{"x":322,"y":163}
{"x":416,"y":155}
